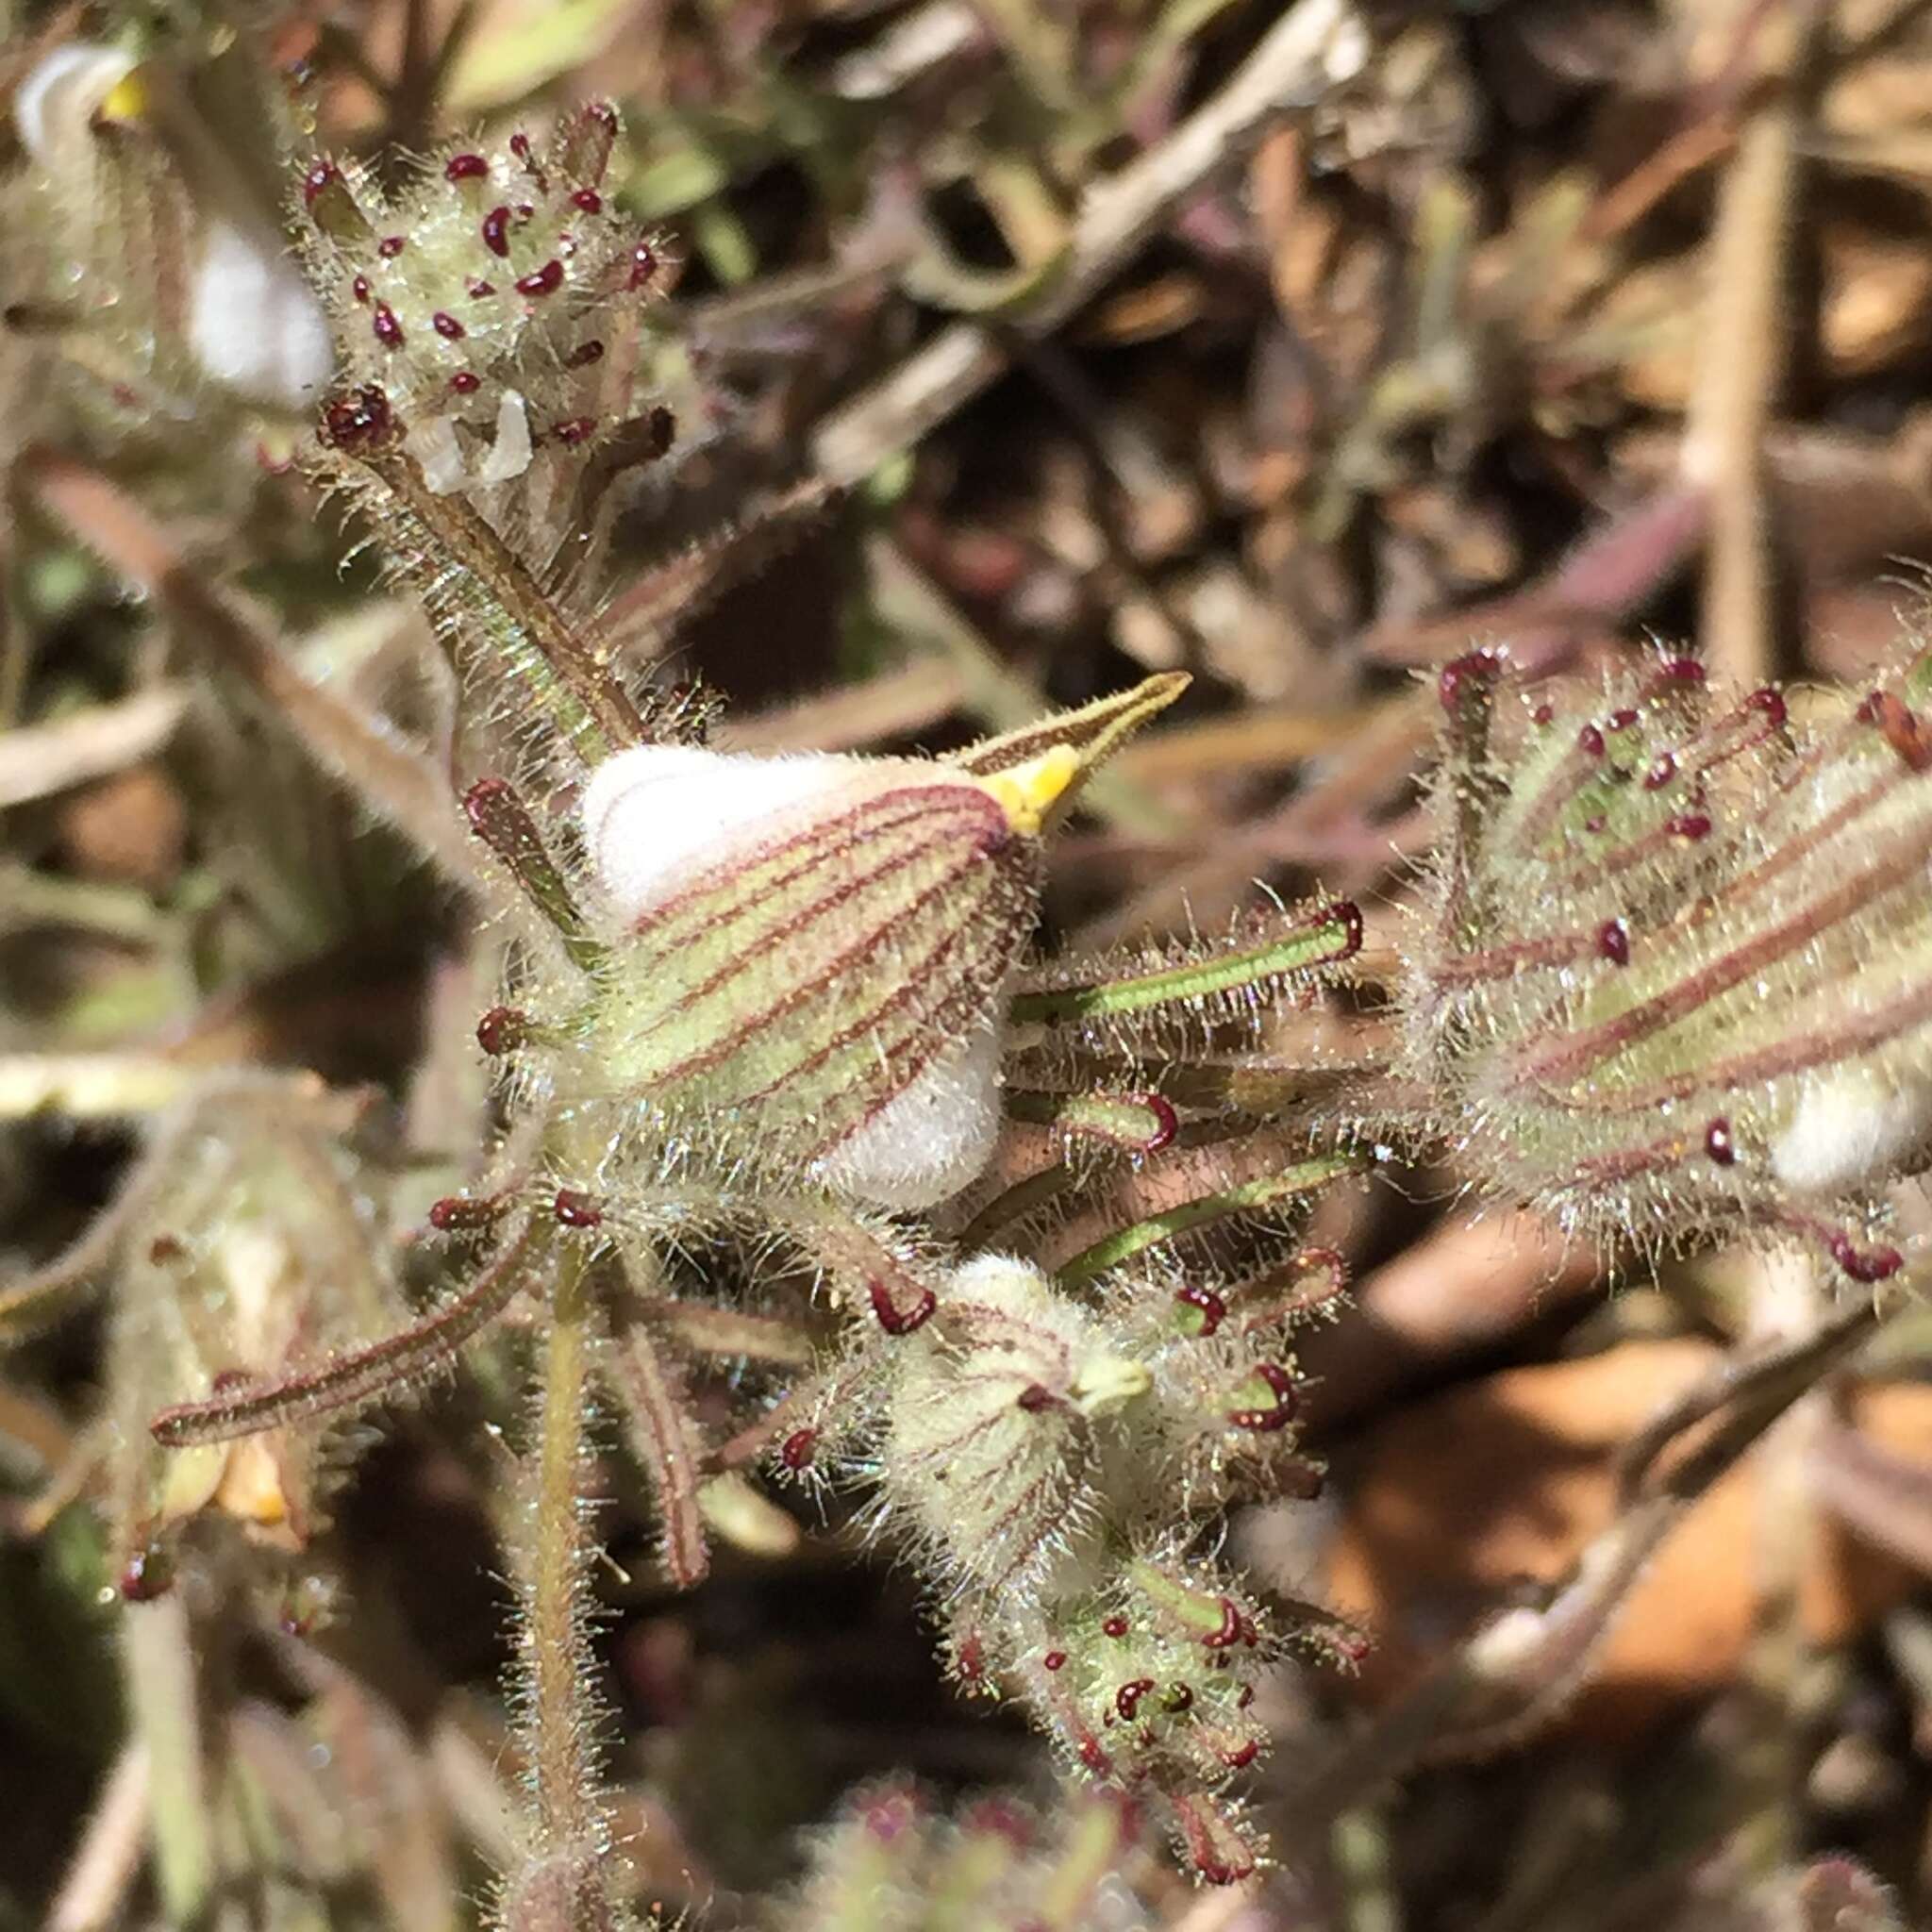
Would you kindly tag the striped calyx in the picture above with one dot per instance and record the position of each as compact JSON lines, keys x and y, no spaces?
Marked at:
{"x":813,"y":953}
{"x":1679,"y":980}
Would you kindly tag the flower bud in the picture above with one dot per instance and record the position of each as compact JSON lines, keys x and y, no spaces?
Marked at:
{"x":814,"y":951}
{"x":995,"y":1422}
{"x":1678,"y":980}
{"x":470,"y":295}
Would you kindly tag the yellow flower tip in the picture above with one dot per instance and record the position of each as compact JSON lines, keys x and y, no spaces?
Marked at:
{"x":1027,"y":792}
{"x":251,"y":1487}
{"x":126,"y":103}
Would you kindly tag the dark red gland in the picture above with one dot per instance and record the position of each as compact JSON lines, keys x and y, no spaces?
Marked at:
{"x":456,"y":1214}
{"x":798,"y":1448}
{"x":465,"y":383}
{"x":1179,"y":1698}
{"x":1613,"y":941}
{"x":1246,"y":1698}
{"x":895,"y":1320}
{"x":1093,"y":1757}
{"x":584,"y":355}
{"x":1127,"y":1698}
{"x":148,"y":1576}
{"x":643,"y":265}
{"x":1115,"y":1627}
{"x":589,"y":200}
{"x":1460,"y":675}
{"x":359,"y":288}
{"x":447,"y":327}
{"x":1683,"y":672}
{"x":318,"y":181}
{"x":477,"y":286}
{"x":1166,"y":1121}
{"x":1242,"y":1754}
{"x":389,"y":331}
{"x":1865,"y":1264}
{"x":520,"y":146}
{"x":1347,"y":914}
{"x":466,"y":168}
{"x":1717,"y":1143}
{"x":356,"y":420}
{"x":1265,"y":1421}
{"x":502,"y":1029}
{"x":165,"y":1248}
{"x":1770,"y":703}
{"x":1544,"y":714}
{"x":1212,"y":1309}
{"x":496,"y":231}
{"x":1590,"y":742}
{"x":574,"y":430}
{"x":392,"y":245}
{"x":542,"y":281}
{"x":1036,"y":1396}
{"x":972,"y":1660}
{"x":1234,"y":1627}
{"x":1690,"y":825}
{"x":1621,"y":721}
{"x":1053,"y":1660}
{"x":1663,"y":769}
{"x":1903,"y":729}
{"x":577,"y":1210}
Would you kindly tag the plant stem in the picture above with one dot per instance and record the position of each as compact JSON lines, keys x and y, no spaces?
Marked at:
{"x":569,"y":1818}
{"x":159,"y":1662}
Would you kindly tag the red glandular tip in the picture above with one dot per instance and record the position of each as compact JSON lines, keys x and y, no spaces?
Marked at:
{"x":1590,"y":742}
{"x":358,"y":419}
{"x":1770,"y":703}
{"x":456,"y":1214}
{"x":643,"y":265}
{"x":893,"y":1318}
{"x":1234,"y":1627}
{"x":1115,"y":1627}
{"x":573,"y":1209}
{"x":318,"y":181}
{"x":466,"y":168}
{"x":496,"y":231}
{"x":1053,"y":1660}
{"x":542,"y":281}
{"x":574,"y":430}
{"x":798,"y":1448}
{"x":1127,"y":1700}
{"x":587,"y":200}
{"x":359,"y":288}
{"x":148,"y":1575}
{"x":1688,"y":824}
{"x":392,"y":245}
{"x":389,"y":331}
{"x":1623,"y":720}
{"x":1718,"y":1143}
{"x":1680,"y":672}
{"x":1210,"y":1305}
{"x":465,"y":383}
{"x":502,"y":1029}
{"x":1280,"y":1413}
{"x":1461,"y":675}
{"x":447,"y":327}
{"x":584,"y":355}
{"x":1865,"y":1264}
{"x":1663,"y":769}
{"x":1613,"y":941}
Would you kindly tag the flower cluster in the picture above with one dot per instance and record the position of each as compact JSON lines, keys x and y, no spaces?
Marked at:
{"x":1675,"y":978}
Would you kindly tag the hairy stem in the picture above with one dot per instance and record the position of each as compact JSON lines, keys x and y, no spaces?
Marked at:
{"x":160,"y":1660}
{"x":569,"y":1818}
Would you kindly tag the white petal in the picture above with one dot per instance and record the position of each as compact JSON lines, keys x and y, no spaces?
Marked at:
{"x":653,"y":813}
{"x":253,"y":324}
{"x":931,"y":1141}
{"x":433,"y":443}
{"x":509,"y":455}
{"x":1851,"y":1127}
{"x":65,"y":88}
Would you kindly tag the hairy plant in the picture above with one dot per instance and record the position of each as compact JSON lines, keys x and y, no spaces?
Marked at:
{"x":806,"y":1164}
{"x":1673,"y":980}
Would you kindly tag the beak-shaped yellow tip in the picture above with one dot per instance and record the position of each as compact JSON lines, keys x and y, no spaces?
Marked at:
{"x":1027,"y":792}
{"x":125,"y":102}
